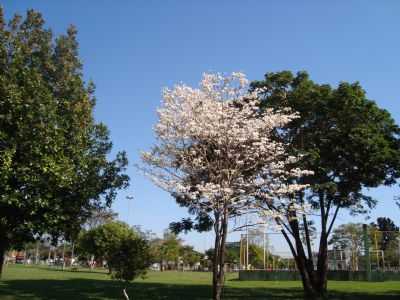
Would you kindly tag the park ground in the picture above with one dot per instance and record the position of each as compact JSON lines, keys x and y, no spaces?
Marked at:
{"x":30,"y":282}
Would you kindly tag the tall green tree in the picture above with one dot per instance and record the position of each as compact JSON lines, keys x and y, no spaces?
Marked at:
{"x":54,"y":165}
{"x":347,"y":141}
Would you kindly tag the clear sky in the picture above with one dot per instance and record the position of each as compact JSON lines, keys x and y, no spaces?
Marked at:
{"x":132,"y":49}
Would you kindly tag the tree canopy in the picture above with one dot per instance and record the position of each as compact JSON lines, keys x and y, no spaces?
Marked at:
{"x":346,"y":140}
{"x":125,"y":250}
{"x":216,"y":152}
{"x":54,"y":157}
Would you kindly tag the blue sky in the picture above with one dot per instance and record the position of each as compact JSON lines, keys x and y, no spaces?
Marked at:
{"x":132,"y":49}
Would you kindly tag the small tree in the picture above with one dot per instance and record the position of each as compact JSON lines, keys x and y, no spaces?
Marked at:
{"x":103,"y":241}
{"x":130,"y":258}
{"x":189,"y":256}
{"x":166,"y":250}
{"x":217,"y":151}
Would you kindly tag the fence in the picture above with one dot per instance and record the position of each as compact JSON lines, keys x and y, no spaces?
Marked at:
{"x":368,"y":250}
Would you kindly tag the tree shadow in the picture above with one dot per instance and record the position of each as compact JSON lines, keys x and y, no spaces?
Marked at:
{"x":107,"y":289}
{"x":71,"y":270}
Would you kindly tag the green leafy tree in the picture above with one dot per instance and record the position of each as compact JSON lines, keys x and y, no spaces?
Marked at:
{"x":189,"y":256}
{"x":166,"y":250}
{"x":256,"y":254}
{"x":54,"y":157}
{"x":232,"y":255}
{"x":101,"y":242}
{"x":130,"y":258}
{"x":100,"y":216}
{"x":347,"y":141}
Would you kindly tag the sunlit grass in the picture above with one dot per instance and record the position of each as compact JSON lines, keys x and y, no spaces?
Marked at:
{"x":30,"y":282}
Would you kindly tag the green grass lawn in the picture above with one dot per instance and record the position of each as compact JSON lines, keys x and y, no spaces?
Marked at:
{"x":29,"y":282}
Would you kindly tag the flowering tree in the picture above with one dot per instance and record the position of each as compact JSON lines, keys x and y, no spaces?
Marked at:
{"x":216,"y":151}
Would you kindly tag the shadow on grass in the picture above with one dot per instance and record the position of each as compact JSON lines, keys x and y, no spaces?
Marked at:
{"x":77,"y":289}
{"x":81,"y":270}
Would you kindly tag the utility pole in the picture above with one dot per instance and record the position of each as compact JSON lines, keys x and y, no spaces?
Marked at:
{"x":264,"y":242}
{"x":247,"y":243}
{"x":366,"y":252}
{"x":376,"y":249}
{"x":130,"y":200}
{"x":267,"y":248}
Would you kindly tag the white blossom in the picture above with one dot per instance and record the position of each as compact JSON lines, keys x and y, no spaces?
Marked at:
{"x":216,"y":148}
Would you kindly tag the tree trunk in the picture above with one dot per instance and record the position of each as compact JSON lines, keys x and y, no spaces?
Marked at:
{"x":322,"y":266}
{"x":37,"y":253}
{"x":72,"y":254}
{"x":3,"y":249}
{"x":314,"y":281}
{"x":306,"y":280}
{"x":221,"y":230}
{"x":2,"y":256}
{"x":307,"y":273}
{"x":63,"y":256}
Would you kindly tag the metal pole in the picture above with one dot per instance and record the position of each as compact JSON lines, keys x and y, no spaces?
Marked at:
{"x":376,"y":248}
{"x":247,"y":249}
{"x":241,"y":252}
{"x":366,"y":250}
{"x":267,"y":240}
{"x":247,"y":243}
{"x":264,"y":247}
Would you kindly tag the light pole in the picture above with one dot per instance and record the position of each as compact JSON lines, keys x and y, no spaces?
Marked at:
{"x":129,"y":205}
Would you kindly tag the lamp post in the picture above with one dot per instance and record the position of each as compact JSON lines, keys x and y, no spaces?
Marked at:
{"x":129,"y":197}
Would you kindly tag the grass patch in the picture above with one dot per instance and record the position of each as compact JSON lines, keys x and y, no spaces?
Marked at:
{"x":42,"y":283}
